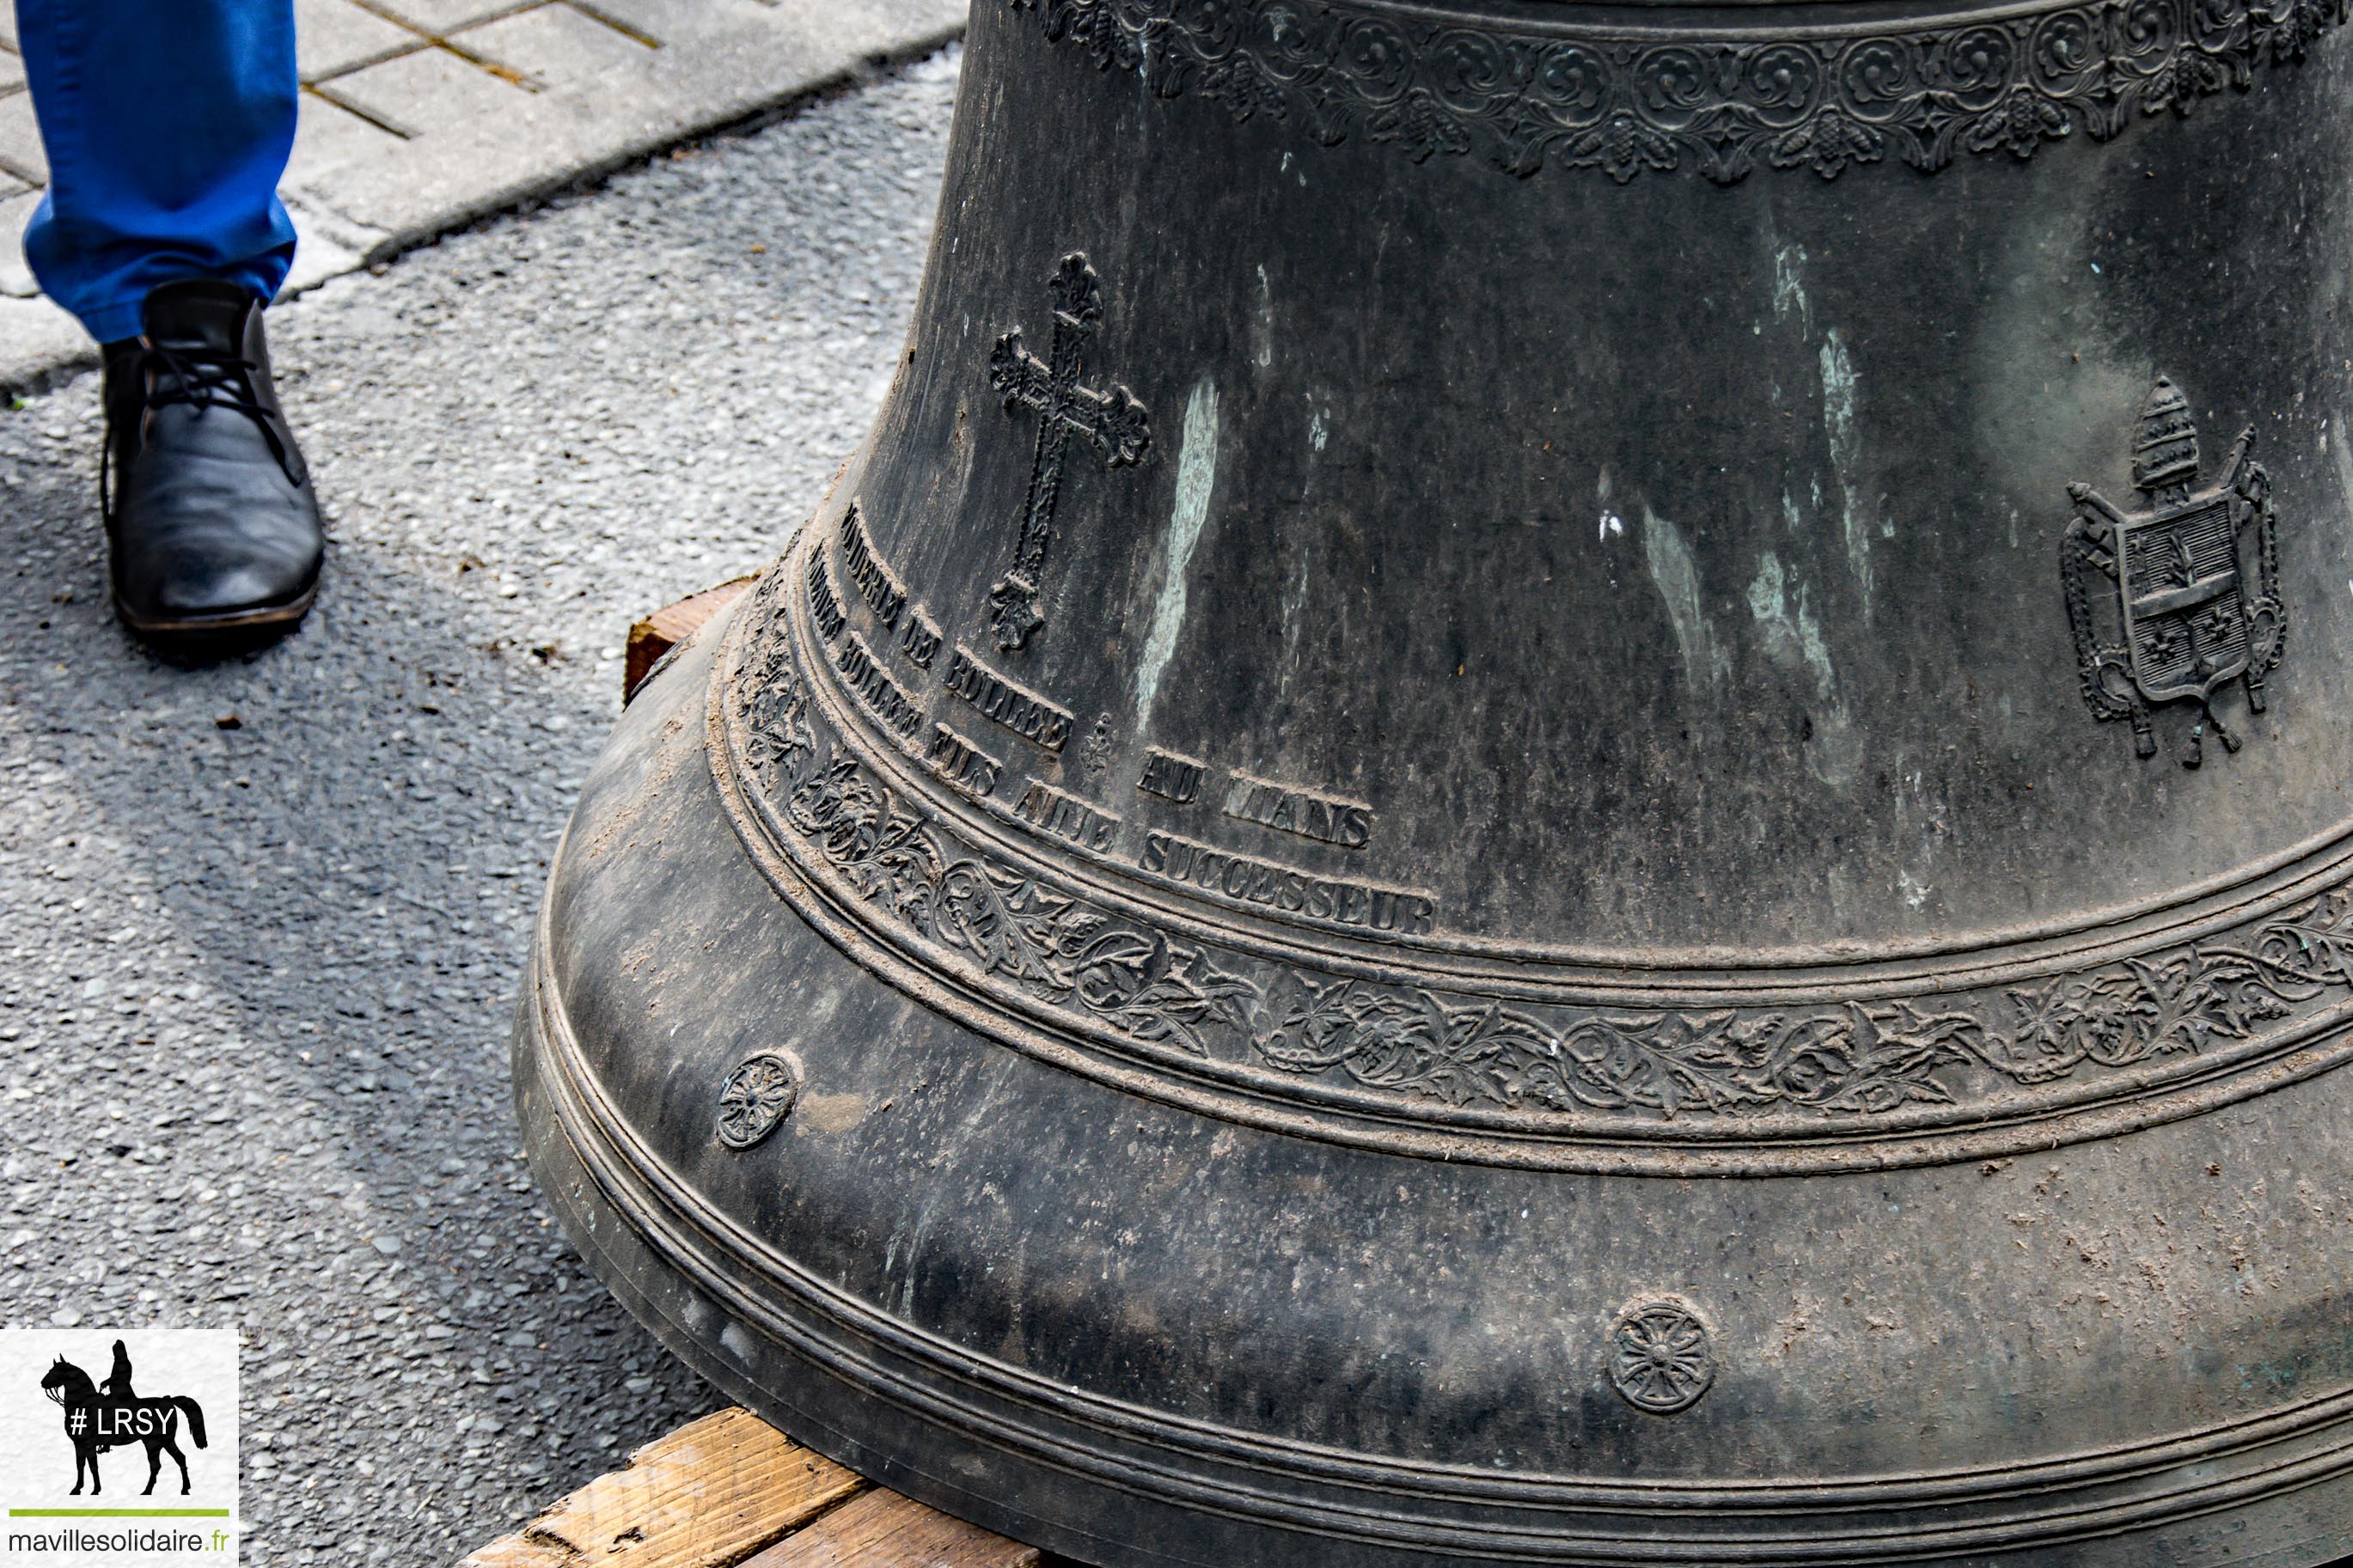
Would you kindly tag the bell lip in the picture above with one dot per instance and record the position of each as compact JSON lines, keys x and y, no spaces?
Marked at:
{"x":2021,"y":1114}
{"x":933,"y":1402}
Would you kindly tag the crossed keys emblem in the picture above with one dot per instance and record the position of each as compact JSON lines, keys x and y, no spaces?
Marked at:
{"x":1114,"y":422}
{"x":2195,"y":573}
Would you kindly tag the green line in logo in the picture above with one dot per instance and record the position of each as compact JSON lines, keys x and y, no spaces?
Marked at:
{"x":118,"y":1513}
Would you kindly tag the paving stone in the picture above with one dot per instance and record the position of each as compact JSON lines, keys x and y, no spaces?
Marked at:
{"x":875,"y":26}
{"x":319,"y":224}
{"x":320,"y":250}
{"x":12,"y":71}
{"x":20,"y":139}
{"x":8,"y":26}
{"x":16,"y":211}
{"x":334,"y":36}
{"x":327,"y":136}
{"x":679,"y":21}
{"x":39,"y":343}
{"x":555,"y":46}
{"x":427,"y":91}
{"x":439,"y":16}
{"x":471,"y":144}
{"x":473,"y":166}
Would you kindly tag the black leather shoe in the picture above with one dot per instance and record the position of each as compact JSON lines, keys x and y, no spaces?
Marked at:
{"x":210,"y":516}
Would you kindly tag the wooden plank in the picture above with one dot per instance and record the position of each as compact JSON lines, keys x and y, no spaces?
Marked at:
{"x":667,"y":627}
{"x":883,"y":1530}
{"x":707,"y":1496}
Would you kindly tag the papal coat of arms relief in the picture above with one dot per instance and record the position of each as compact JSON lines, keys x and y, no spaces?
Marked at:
{"x":2171,"y":602}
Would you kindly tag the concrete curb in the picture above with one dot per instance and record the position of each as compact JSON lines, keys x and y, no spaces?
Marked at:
{"x":360,"y":199}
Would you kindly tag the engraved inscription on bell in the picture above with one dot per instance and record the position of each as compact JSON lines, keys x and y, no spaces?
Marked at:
{"x":1171,"y":777}
{"x":1328,"y":819}
{"x":962,"y":764}
{"x":870,"y":678}
{"x":1064,"y":815}
{"x":1286,"y":889}
{"x":875,"y":581}
{"x":825,"y":604}
{"x":998,"y":697}
{"x":918,"y":640}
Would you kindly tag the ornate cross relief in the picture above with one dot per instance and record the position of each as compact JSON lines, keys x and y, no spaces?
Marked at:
{"x":2195,"y":573}
{"x":1111,"y":421}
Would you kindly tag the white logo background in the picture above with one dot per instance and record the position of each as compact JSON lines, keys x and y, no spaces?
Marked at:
{"x":37,"y":1456}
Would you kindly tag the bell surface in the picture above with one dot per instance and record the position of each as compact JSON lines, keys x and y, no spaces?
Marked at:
{"x":1566,"y":785}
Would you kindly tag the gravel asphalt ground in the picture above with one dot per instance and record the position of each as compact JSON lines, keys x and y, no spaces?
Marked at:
{"x":265,"y":919}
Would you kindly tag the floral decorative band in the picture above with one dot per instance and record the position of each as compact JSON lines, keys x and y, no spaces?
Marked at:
{"x":1517,"y":98}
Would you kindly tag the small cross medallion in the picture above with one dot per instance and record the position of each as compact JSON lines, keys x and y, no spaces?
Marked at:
{"x":1114,"y":422}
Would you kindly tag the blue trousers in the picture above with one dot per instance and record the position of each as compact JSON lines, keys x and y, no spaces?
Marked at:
{"x":167,"y":124}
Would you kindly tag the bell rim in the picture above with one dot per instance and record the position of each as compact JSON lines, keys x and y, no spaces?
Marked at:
{"x":571,"y":1122}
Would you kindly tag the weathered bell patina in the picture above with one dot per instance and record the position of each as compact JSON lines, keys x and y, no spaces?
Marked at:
{"x":1568,"y":786}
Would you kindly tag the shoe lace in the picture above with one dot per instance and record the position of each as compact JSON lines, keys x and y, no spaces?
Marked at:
{"x":204,"y":381}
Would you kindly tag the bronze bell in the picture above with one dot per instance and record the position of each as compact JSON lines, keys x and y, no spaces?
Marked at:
{"x":1568,"y":786}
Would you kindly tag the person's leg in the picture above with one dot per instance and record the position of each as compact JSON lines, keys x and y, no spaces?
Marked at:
{"x":167,"y":124}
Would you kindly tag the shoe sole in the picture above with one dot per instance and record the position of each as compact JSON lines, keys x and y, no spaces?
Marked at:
{"x":197,"y":628}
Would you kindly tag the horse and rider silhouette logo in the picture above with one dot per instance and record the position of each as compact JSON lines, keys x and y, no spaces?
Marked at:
{"x":99,"y":1416}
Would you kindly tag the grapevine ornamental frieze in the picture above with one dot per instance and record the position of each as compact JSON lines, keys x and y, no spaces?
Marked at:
{"x":918,"y":878}
{"x":1623,"y":106}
